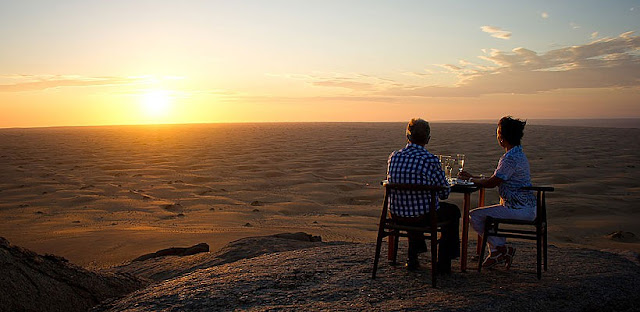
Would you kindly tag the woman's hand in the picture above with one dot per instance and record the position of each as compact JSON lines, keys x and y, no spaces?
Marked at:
{"x":465,"y":175}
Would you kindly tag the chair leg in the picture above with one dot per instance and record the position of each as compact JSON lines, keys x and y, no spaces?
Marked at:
{"x":390,"y":246}
{"x":539,"y":253}
{"x":377,"y":256}
{"x":483,"y":247}
{"x":545,"y":246}
{"x":434,"y":259}
{"x":396,"y":240}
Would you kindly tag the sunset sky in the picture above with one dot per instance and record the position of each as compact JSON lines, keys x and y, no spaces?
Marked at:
{"x":90,"y":62}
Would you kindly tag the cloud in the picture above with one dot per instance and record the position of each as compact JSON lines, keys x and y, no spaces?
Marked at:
{"x":594,"y":35}
{"x":262,"y":99}
{"x":544,"y":15}
{"x":37,"y":83}
{"x":603,"y":63}
{"x":451,"y":67}
{"x":426,"y":73}
{"x":496,"y":32}
{"x":574,"y":25}
{"x":351,"y":81}
{"x":344,"y":83}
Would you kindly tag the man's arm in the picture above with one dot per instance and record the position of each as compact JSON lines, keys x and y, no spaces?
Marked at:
{"x":389,"y":166}
{"x":439,"y":178}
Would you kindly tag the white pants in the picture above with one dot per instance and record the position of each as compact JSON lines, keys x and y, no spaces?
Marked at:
{"x":479,"y":215}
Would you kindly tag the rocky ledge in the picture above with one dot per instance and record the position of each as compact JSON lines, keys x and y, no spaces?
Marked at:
{"x":338,"y":277}
{"x":300,"y":273}
{"x":32,"y":282}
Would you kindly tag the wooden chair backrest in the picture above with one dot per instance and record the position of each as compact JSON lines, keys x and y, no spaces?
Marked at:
{"x":433,"y":193}
{"x":541,"y":205}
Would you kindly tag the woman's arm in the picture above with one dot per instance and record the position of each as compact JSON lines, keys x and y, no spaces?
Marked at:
{"x":491,"y":182}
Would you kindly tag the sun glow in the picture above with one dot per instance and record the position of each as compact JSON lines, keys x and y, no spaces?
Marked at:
{"x":156,"y":103}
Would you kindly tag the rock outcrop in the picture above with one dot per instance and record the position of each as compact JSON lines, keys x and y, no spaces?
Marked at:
{"x":176,"y":251}
{"x":162,"y":268}
{"x":33,"y":282}
{"x":297,"y":272}
{"x":338,"y":278}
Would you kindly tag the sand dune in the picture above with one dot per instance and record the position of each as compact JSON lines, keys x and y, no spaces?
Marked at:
{"x":103,"y":195}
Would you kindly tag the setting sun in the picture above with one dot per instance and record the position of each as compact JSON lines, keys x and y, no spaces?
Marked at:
{"x":156,"y":103}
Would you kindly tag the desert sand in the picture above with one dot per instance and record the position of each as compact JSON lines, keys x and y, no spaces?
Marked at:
{"x":100,"y":196}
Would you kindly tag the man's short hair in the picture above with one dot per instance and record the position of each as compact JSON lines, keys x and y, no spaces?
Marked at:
{"x":418,"y":131}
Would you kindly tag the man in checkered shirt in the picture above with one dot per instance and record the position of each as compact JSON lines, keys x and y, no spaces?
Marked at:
{"x":415,"y":165}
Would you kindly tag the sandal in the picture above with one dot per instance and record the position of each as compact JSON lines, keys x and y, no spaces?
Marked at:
{"x":511,"y":253}
{"x":495,"y":258}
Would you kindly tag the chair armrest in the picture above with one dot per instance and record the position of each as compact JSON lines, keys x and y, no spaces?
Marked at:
{"x":539,"y":188}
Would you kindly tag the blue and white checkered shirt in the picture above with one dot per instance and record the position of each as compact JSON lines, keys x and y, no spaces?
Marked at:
{"x":414,"y":165}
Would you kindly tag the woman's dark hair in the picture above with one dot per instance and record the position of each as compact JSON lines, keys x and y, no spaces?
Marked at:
{"x":511,"y":129}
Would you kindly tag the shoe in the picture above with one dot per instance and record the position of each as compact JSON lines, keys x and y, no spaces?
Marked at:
{"x":412,"y":264}
{"x":497,"y":257}
{"x":511,"y":253}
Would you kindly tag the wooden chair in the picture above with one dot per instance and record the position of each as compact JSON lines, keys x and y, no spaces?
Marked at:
{"x":539,"y":234}
{"x":388,"y":227}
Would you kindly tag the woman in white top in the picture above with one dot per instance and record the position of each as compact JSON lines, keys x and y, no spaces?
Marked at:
{"x":510,"y":176}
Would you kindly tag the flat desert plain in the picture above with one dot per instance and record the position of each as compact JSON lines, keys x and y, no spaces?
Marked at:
{"x":100,"y":196}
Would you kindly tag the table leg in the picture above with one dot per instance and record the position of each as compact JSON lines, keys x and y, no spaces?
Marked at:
{"x":480,"y":204}
{"x":465,"y":232}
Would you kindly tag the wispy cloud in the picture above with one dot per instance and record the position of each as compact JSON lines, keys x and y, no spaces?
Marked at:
{"x":425,"y":73}
{"x":36,"y":83}
{"x":574,"y":25}
{"x":603,"y":63}
{"x":544,"y":15}
{"x":594,"y":35}
{"x":346,"y":83}
{"x":497,"y":32}
{"x":350,"y":81}
{"x":451,"y":67}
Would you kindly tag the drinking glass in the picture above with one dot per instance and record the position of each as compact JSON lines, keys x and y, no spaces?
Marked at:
{"x":443,"y":161}
{"x":448,"y":166}
{"x":460,"y":158}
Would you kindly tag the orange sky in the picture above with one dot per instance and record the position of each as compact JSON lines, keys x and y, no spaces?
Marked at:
{"x":135,"y":62}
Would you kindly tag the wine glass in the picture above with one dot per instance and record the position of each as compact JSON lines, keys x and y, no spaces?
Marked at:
{"x":448,"y":166}
{"x":443,"y":160}
{"x":460,"y":158}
